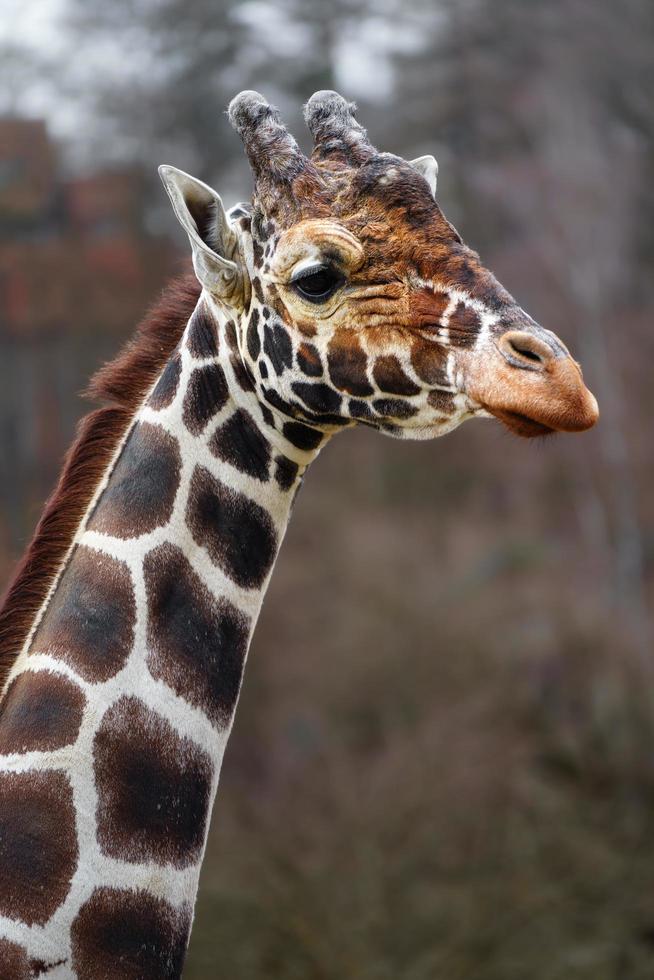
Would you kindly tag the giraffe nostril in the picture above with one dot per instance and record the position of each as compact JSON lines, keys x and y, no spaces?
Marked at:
{"x":525,"y":350}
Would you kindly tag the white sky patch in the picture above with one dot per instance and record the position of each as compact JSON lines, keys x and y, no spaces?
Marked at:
{"x":37,"y":27}
{"x":274,"y":28}
{"x":363,"y":59}
{"x":58,"y":93}
{"x":362,"y":52}
{"x":34,"y":23}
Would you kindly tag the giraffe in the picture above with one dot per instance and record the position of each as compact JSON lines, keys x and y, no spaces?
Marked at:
{"x":339,"y":295}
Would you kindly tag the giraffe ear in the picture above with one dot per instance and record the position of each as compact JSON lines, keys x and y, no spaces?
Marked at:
{"x":428,"y":167}
{"x":201,"y":214}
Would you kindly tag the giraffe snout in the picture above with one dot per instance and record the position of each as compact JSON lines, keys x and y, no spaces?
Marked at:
{"x":530,"y":381}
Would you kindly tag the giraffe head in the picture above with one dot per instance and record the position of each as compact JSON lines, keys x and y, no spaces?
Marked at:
{"x":356,"y":299}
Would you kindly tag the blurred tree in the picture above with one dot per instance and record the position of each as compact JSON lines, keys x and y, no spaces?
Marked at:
{"x":164,"y":67}
{"x":169,"y":68}
{"x":551,"y":143}
{"x":594,"y":160}
{"x":19,"y":68}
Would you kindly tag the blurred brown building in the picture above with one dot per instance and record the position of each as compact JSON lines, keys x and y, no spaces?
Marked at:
{"x":78,"y":267}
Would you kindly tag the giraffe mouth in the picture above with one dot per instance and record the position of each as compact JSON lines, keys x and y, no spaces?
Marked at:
{"x":522,"y":425}
{"x":532,"y":401}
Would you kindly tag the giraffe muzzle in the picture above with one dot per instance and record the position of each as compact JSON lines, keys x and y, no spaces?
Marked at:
{"x":531,"y":383}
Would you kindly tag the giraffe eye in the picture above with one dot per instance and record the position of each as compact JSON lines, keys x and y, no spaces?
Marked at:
{"x":318,"y":284}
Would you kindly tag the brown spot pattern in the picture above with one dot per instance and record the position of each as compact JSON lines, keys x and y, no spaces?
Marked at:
{"x":141,"y":492}
{"x":238,"y":534}
{"x":359,"y":409}
{"x":429,"y":360}
{"x":197,"y":644}
{"x":206,"y":394}
{"x":309,"y":361}
{"x":267,"y":415}
{"x":390,"y":377}
{"x":428,"y":307}
{"x":277,"y":345}
{"x":347,"y":363}
{"x":89,"y":623}
{"x":166,"y":387}
{"x":442,"y":400}
{"x":240,"y":442}
{"x":302,"y":436}
{"x":257,"y":251}
{"x":241,"y":373}
{"x":38,"y":846}
{"x":258,"y":291}
{"x":318,"y":397}
{"x":252,"y":335}
{"x":464,"y":324}
{"x":394,"y":408}
{"x":121,"y":385}
{"x":285,"y":472}
{"x":153,"y":787}
{"x":14,"y":964}
{"x":40,"y":712}
{"x":232,"y":339}
{"x":202,"y":334}
{"x":143,"y":935}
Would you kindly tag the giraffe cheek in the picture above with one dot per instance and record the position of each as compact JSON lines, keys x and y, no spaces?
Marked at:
{"x":347,"y":364}
{"x":429,"y":361}
{"x":306,"y":325}
{"x":309,"y":360}
{"x":391,"y":378}
{"x":463,"y":326}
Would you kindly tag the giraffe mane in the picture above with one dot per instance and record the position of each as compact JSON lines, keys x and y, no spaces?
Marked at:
{"x":121,"y":384}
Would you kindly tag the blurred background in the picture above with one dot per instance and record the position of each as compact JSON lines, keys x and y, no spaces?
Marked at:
{"x":442,"y":763}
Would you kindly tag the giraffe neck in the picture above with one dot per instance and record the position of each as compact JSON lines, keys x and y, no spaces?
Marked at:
{"x":116,"y":714}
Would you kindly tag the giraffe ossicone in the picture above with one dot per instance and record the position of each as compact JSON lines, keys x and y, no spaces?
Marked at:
{"x":339,"y":295}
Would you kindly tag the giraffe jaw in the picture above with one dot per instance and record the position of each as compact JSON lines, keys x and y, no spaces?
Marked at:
{"x":522,"y":425}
